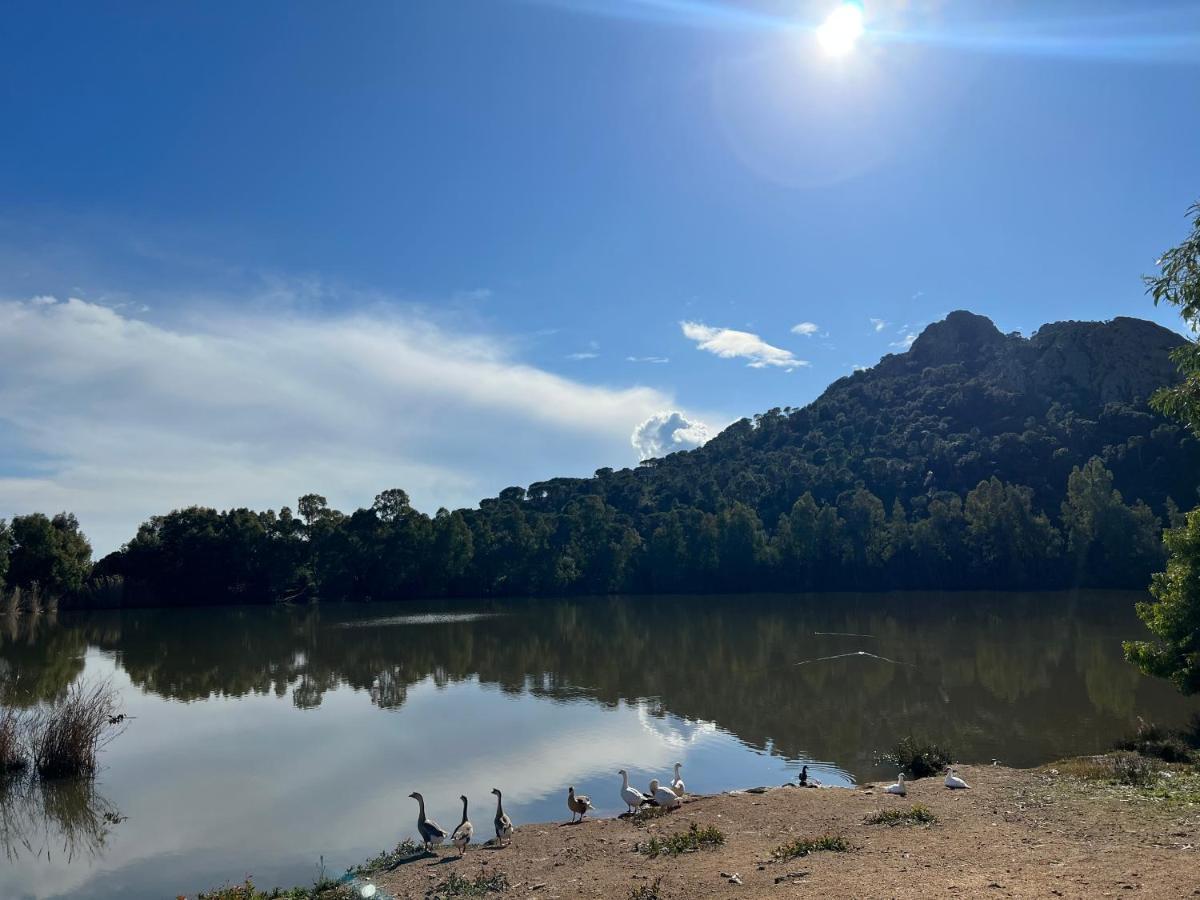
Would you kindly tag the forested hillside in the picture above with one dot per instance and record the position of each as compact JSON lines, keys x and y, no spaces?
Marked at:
{"x":974,"y":459}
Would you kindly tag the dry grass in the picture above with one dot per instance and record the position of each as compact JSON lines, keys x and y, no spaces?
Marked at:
{"x":12,"y":749}
{"x":65,"y":738}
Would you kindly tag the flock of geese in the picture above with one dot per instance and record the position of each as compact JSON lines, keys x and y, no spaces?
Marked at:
{"x":665,"y":796}
{"x":433,"y":835}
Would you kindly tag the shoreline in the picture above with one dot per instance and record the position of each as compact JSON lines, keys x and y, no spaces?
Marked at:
{"x":1068,"y":829}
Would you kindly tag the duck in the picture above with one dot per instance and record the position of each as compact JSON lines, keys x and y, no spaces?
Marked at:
{"x":462,"y":834}
{"x":504,"y":825}
{"x":664,"y":796}
{"x":632,"y":797}
{"x":677,"y":782}
{"x":898,"y":788}
{"x":578,"y":804}
{"x":953,"y":781}
{"x":431,"y":832}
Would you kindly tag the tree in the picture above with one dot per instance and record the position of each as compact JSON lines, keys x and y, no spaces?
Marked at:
{"x":5,"y":548}
{"x":51,"y":553}
{"x":1174,"y":615}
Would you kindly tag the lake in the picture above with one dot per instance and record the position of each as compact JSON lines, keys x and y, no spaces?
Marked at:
{"x":261,"y":740}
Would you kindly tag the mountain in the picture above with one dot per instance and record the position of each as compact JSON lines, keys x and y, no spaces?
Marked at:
{"x":973,"y":459}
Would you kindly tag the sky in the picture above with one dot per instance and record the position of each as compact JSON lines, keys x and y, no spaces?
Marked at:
{"x":249,"y":251}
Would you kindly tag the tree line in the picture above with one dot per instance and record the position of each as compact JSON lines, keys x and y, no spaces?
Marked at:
{"x":993,"y":536}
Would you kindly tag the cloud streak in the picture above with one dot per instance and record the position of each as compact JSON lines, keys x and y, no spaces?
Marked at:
{"x":118,"y":418}
{"x":728,"y":343}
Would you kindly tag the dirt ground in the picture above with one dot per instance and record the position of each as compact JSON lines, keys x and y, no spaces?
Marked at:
{"x":1016,"y":833}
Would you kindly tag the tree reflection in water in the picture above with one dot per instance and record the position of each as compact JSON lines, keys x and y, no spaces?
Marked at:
{"x":48,"y":818}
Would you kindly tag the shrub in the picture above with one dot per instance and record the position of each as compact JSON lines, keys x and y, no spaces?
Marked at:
{"x":917,"y":814}
{"x":1132,"y":769}
{"x":647,"y":891}
{"x":457,"y":886}
{"x":832,"y":843}
{"x":12,"y":753}
{"x":66,"y":737}
{"x":403,"y":852}
{"x":920,"y":759}
{"x":1169,"y":746}
{"x":695,"y":838}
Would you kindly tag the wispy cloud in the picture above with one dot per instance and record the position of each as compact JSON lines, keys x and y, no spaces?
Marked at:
{"x":905,"y":341}
{"x":119,"y":418}
{"x":808,"y":329}
{"x":878,"y":324}
{"x":648,"y":359}
{"x":585,"y":354}
{"x":668,"y":431}
{"x":730,"y":344}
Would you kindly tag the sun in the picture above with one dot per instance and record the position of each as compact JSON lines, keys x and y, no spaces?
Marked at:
{"x":841,"y":29}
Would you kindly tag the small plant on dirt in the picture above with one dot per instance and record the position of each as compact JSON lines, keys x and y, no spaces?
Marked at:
{"x":403,"y":852}
{"x":648,"y":814}
{"x":458,"y":886}
{"x":832,"y":843}
{"x":1135,"y":770}
{"x":647,"y":891}
{"x":66,"y":737}
{"x":327,"y":890}
{"x":920,"y":759}
{"x":917,"y":814}
{"x":695,"y":838}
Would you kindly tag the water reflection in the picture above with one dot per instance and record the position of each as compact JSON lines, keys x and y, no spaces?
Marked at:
{"x":286,"y":734}
{"x":46,"y":819}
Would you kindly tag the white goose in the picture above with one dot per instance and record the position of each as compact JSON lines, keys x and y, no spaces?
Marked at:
{"x":677,"y":782}
{"x":664,"y":796}
{"x":898,"y":788}
{"x":504,"y":825}
{"x":462,"y":834}
{"x":953,"y":781}
{"x":632,"y":797}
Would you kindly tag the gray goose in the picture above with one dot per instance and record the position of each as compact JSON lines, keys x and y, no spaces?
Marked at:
{"x":504,"y":825}
{"x":431,"y":832}
{"x":578,"y":804}
{"x":462,"y":834}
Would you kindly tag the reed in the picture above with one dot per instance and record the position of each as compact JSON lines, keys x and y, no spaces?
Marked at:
{"x":65,"y":738}
{"x":12,"y":747}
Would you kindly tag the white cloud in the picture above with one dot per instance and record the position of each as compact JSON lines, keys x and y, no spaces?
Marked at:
{"x":878,"y":324}
{"x":906,"y":340}
{"x":808,"y":329}
{"x":586,"y":354}
{"x":118,"y":418}
{"x":647,"y":359}
{"x":668,"y":431}
{"x":730,"y":344}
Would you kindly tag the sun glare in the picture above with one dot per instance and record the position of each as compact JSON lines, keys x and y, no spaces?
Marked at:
{"x":841,"y":29}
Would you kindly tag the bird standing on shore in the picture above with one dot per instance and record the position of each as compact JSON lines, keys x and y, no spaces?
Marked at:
{"x":462,"y":834}
{"x":631,"y":796}
{"x":953,"y":781}
{"x":579,"y":805}
{"x":504,"y":825}
{"x":677,"y":782}
{"x":664,"y":796}
{"x":898,"y":788}
{"x":431,"y":832}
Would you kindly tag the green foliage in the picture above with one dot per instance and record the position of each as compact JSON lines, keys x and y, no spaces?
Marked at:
{"x":832,"y":843}
{"x":917,"y":814}
{"x":1174,"y":614}
{"x":647,"y":891}
{"x":49,"y":553}
{"x":5,"y":550}
{"x":324,"y":889}
{"x":920,"y":759}
{"x":403,"y":852}
{"x":458,"y":886}
{"x":646,"y":814}
{"x":695,"y":838}
{"x":1160,"y":743}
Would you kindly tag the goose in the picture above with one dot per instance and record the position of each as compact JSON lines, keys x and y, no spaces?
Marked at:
{"x":953,"y":781}
{"x":898,"y":788}
{"x":664,"y":796}
{"x":462,"y":834}
{"x":504,"y":825}
{"x":431,"y":832}
{"x":677,"y":782}
{"x":804,"y":777}
{"x":578,"y":804}
{"x":632,"y":796}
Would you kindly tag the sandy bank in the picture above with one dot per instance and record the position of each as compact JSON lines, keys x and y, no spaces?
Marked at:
{"x":1016,"y":833}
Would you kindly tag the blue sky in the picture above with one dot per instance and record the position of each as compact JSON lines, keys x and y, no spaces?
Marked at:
{"x":457,"y":245}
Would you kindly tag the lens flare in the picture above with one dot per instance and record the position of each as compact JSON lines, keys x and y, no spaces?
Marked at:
{"x":841,"y":29}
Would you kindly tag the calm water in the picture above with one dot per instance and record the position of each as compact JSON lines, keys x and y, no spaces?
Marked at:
{"x":264,"y":739}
